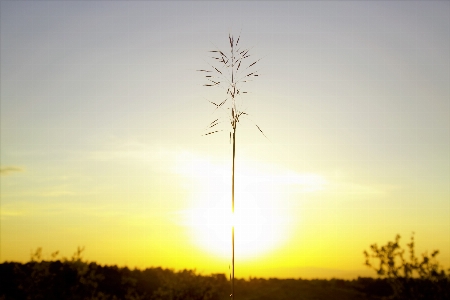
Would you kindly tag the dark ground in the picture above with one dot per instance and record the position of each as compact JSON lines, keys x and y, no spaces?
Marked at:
{"x":81,"y":280}
{"x":76,"y":279}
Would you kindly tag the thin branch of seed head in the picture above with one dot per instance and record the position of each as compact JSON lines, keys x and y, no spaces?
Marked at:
{"x":252,"y":74}
{"x":247,"y":116}
{"x":213,"y":124}
{"x":215,"y":70}
{"x":219,"y":51}
{"x":212,"y":132}
{"x":253,"y":63}
{"x":217,"y":77}
{"x":214,"y":67}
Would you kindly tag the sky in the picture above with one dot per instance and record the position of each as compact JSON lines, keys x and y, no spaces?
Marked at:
{"x":103,"y":116}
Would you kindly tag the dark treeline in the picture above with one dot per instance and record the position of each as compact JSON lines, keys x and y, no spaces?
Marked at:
{"x":76,"y":279}
{"x":82,"y":280}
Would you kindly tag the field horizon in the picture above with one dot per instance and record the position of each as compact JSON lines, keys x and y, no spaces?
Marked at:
{"x":77,"y":279}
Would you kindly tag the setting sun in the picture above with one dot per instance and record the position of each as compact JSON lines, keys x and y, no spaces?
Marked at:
{"x":262,"y":216}
{"x":259,"y":225}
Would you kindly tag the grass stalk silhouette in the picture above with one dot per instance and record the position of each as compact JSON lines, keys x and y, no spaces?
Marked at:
{"x":228,"y":74}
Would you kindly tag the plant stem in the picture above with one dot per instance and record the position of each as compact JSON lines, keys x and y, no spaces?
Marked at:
{"x":232,"y":215}
{"x":232,"y":90}
{"x":234,"y":116}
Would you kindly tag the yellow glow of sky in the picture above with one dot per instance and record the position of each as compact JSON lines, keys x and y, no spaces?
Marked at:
{"x":103,"y":112}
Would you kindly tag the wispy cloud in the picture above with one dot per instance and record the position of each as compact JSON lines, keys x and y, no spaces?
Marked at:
{"x":251,"y":173}
{"x":9,"y":170}
{"x":10,"y":213}
{"x":57,"y":193}
{"x":131,"y":150}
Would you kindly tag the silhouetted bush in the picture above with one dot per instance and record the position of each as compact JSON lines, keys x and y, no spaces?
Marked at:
{"x":411,"y":278}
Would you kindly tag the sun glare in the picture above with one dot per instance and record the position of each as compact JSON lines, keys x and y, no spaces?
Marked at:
{"x":258,"y":225}
{"x":262,"y":215}
{"x":259,"y":221}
